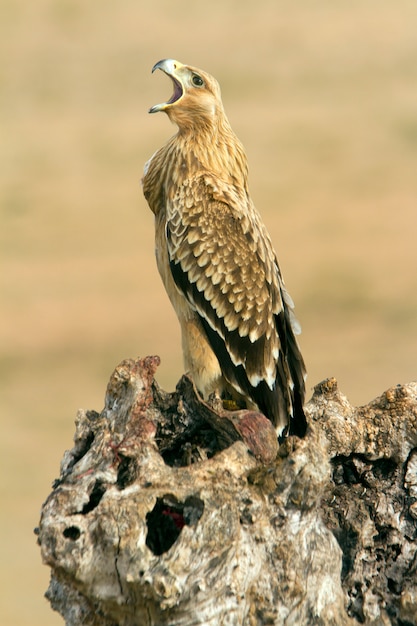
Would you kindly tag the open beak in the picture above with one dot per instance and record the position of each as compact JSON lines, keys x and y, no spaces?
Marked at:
{"x":170,"y":68}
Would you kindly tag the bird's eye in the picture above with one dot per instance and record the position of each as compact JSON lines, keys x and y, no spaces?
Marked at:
{"x":197,"y":80}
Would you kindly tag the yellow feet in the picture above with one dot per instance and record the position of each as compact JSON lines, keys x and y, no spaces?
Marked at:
{"x":231,"y":405}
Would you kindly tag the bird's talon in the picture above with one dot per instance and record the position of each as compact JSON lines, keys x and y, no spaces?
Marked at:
{"x":230,"y":405}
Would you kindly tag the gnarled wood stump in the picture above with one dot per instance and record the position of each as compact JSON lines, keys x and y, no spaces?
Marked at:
{"x":171,"y":511}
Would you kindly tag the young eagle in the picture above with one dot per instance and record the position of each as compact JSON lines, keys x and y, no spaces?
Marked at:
{"x":216,"y":259}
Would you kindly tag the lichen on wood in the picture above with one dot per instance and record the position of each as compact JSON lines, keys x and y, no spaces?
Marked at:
{"x":173,"y":511}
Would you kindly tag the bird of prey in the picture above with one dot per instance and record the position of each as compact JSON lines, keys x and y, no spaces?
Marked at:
{"x":217,"y":261}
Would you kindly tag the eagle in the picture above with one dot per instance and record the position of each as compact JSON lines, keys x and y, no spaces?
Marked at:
{"x":217,"y":262}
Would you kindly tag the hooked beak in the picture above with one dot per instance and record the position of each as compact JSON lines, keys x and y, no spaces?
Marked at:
{"x":170,"y":67}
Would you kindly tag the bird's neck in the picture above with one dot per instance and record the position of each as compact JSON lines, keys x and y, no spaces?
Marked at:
{"x":214,"y":148}
{"x":204,"y":149}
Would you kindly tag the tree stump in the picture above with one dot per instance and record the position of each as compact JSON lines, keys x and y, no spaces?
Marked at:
{"x":172,"y":511}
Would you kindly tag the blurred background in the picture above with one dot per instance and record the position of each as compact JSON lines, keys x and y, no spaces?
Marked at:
{"x":324,"y":97}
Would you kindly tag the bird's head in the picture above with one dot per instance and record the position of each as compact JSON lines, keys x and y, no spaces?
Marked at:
{"x":196,"y":99}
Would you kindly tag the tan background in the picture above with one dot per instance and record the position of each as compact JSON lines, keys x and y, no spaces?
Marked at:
{"x":324,"y":97}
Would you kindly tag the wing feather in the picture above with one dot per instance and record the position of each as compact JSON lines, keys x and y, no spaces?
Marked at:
{"x":222,"y":260}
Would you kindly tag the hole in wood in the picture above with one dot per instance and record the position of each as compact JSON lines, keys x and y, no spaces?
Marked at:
{"x":97,"y":493}
{"x":167,"y":519}
{"x":127,"y":472}
{"x":72,"y":532}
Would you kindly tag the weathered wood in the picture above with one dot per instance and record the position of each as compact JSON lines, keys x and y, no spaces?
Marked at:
{"x":169,"y":511}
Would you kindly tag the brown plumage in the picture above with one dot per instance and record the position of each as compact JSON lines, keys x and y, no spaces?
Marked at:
{"x":216,"y":259}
